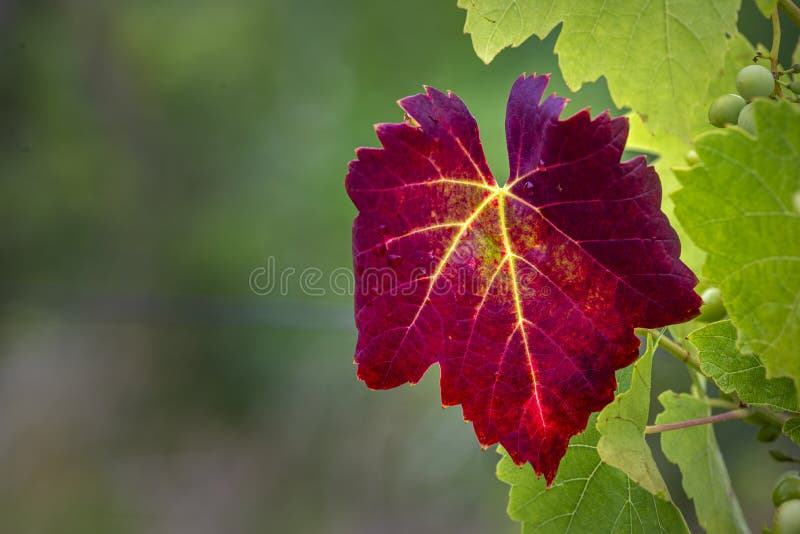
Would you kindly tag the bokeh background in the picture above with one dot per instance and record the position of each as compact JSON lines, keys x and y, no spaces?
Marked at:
{"x":153,"y":156}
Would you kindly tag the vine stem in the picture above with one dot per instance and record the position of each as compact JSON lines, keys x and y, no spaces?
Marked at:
{"x":776,"y":41}
{"x":738,"y":410}
{"x":777,"y":419}
{"x":791,"y":10}
{"x":726,"y":416}
{"x":776,"y":46}
{"x":722,"y":403}
{"x":672,"y":347}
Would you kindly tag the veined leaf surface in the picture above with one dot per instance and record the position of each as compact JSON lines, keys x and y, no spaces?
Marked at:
{"x":526,"y":294}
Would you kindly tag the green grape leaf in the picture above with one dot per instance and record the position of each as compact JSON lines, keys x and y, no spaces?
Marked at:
{"x":766,"y":6}
{"x":696,"y":453}
{"x":742,"y":373}
{"x":658,"y":58}
{"x":792,"y":429}
{"x":498,"y":24}
{"x":586,"y":496}
{"x":671,"y":149}
{"x":737,"y":206}
{"x":621,"y":425}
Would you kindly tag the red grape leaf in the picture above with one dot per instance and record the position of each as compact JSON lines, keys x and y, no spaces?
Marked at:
{"x":526,"y":295}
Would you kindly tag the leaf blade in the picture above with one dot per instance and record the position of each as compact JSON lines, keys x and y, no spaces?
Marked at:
{"x":617,"y":39}
{"x":737,"y":207}
{"x":671,"y":149}
{"x":497,"y":24}
{"x":621,"y":425}
{"x":791,"y":428}
{"x":586,"y":496}
{"x":704,"y":475}
{"x":527,"y":309}
{"x":744,"y":374}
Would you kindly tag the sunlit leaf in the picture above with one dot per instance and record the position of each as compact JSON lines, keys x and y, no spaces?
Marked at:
{"x":498,"y":24}
{"x":658,"y":57}
{"x":739,"y":373}
{"x":527,"y":294}
{"x":621,"y":425}
{"x":704,"y":475}
{"x":671,"y":149}
{"x":587,"y":496}
{"x":738,"y":207}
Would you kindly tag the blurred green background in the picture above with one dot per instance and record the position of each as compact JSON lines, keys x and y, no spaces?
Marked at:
{"x":154,"y":155}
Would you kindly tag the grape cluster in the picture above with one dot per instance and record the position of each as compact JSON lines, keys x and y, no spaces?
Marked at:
{"x":786,"y":498}
{"x":753,"y":81}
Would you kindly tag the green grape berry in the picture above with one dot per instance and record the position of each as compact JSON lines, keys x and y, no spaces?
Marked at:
{"x":712,"y":308}
{"x":795,"y":86}
{"x":786,"y":519}
{"x":746,"y":120}
{"x":691,"y":157}
{"x":725,"y":110}
{"x":754,"y":81}
{"x":787,"y":487}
